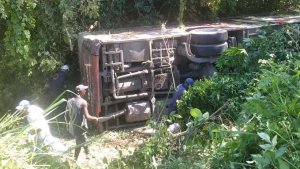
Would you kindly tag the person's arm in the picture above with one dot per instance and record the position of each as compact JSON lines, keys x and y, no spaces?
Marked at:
{"x":86,"y":113}
{"x":179,"y":93}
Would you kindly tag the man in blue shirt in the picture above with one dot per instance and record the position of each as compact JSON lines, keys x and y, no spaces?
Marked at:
{"x":182,"y":88}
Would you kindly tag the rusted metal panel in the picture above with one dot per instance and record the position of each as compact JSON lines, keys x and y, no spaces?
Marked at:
{"x":89,"y":68}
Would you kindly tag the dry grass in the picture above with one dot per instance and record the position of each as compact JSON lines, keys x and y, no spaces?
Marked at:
{"x":17,"y":152}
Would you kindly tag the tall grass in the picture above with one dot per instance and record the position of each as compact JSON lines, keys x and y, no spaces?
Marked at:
{"x":17,"y":151}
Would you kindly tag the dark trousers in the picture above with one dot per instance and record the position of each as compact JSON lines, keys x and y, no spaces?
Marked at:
{"x":80,"y":138}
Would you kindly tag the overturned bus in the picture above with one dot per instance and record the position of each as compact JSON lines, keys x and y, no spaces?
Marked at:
{"x":130,"y":71}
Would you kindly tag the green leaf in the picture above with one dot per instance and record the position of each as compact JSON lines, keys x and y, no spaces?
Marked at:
{"x":274,"y":141}
{"x":297,"y":134}
{"x":264,"y":136}
{"x":216,"y":131}
{"x":189,"y":124}
{"x":280,"y":152}
{"x":26,"y":48}
{"x":262,"y":36}
{"x":243,"y":51}
{"x":27,"y":34}
{"x":206,"y":115}
{"x":260,"y":160}
{"x":266,"y":147}
{"x":283,"y":164}
{"x":246,"y":40}
{"x":177,"y":116}
{"x":195,"y":112}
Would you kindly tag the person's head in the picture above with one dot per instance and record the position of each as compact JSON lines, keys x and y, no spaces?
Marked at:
{"x":64,"y":68}
{"x":81,"y":89}
{"x":189,"y":82}
{"x":23,"y":105}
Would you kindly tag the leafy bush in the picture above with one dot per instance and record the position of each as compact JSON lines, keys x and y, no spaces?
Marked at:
{"x":271,"y":106}
{"x":38,"y":37}
{"x":126,"y":13}
{"x":195,"y":10}
{"x":275,"y":106}
{"x":209,"y":95}
{"x":232,"y":61}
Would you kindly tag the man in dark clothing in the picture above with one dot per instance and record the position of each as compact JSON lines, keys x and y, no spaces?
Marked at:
{"x":56,"y":84}
{"x":182,"y":88}
{"x":79,"y":116}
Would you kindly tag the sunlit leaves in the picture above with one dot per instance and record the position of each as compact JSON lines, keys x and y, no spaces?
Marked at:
{"x":3,"y":13}
{"x":33,"y":44}
{"x":232,"y":60}
{"x":196,"y":112}
{"x":264,"y":136}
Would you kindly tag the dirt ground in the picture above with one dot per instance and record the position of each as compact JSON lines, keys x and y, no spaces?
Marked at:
{"x":105,"y":148}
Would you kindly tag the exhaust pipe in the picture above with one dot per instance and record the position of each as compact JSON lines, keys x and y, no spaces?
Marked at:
{"x":115,"y":96}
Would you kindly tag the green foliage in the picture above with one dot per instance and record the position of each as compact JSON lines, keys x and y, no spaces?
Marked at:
{"x":279,"y":45}
{"x":38,"y":37}
{"x":271,"y":106}
{"x":182,"y":8}
{"x":271,"y":109}
{"x":195,"y":10}
{"x":126,"y":13}
{"x":244,"y":7}
{"x":275,"y":104}
{"x":210,"y":94}
{"x":232,"y":60}
{"x":195,"y":112}
{"x":228,"y":8}
{"x":271,"y":155}
{"x":15,"y":59}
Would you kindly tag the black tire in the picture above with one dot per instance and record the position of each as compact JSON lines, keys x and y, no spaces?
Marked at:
{"x":208,"y":36}
{"x":208,"y":50}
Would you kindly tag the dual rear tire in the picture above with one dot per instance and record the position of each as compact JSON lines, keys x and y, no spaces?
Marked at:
{"x":208,"y":42}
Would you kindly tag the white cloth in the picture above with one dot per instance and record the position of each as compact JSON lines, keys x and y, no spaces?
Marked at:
{"x":38,"y":122}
